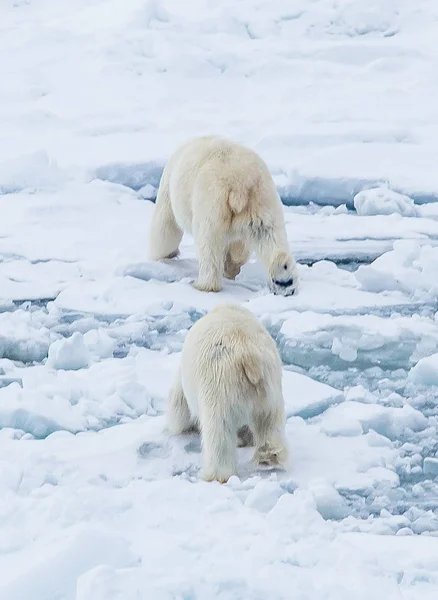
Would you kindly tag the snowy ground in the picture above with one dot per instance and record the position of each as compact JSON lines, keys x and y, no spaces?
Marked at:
{"x":96,"y":502}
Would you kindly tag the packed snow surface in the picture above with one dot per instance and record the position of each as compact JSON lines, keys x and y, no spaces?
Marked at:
{"x":97,"y":502}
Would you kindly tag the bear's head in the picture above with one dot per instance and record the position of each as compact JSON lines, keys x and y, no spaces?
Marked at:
{"x":283,"y":275}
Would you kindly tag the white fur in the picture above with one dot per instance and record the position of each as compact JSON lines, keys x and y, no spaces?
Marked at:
{"x":223,"y":194}
{"x":229,"y":384}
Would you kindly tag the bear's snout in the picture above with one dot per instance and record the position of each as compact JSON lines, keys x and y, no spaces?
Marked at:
{"x":286,"y":283}
{"x":285,"y":287}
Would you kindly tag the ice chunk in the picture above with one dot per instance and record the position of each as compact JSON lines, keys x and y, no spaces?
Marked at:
{"x":335,"y":424}
{"x":136,"y":175}
{"x":343,"y":350}
{"x":383,"y":201}
{"x":430,"y":466}
{"x":264,"y":496}
{"x":136,"y":396}
{"x":330,"y":504}
{"x":22,"y":279}
{"x":360,"y":394}
{"x":31,"y":171}
{"x":304,"y":397}
{"x":33,"y":412}
{"x":99,"y":343}
{"x":5,"y":381}
{"x":24,"y":335}
{"x":148,"y":192}
{"x":404,"y":531}
{"x":428,"y":522}
{"x":297,"y":513}
{"x":311,"y":339}
{"x":382,"y":474}
{"x":53,"y":571}
{"x":388,"y":421}
{"x":410,"y":268}
{"x":107,"y":392}
{"x":425,"y":372}
{"x":377,"y":440}
{"x":69,"y":354}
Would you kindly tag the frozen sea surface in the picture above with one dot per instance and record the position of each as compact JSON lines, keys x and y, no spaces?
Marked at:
{"x":96,"y":501}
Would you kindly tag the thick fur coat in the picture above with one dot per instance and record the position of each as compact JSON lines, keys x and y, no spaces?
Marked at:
{"x":229,"y":386}
{"x":222,"y":194}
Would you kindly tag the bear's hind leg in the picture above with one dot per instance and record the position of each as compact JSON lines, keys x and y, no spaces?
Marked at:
{"x":179,"y":419}
{"x":245,"y":437}
{"x":164,"y":233}
{"x":210,"y":249}
{"x":237,"y":255}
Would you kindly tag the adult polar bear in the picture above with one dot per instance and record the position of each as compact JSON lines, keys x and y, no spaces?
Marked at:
{"x":230,"y":383}
{"x":223,"y":194}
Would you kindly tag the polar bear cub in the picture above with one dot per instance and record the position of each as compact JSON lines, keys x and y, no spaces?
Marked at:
{"x":229,"y":385}
{"x":223,"y":194}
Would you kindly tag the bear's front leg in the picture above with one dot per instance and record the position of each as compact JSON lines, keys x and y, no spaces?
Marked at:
{"x":271,"y":446}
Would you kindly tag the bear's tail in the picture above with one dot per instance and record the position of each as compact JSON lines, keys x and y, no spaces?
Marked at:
{"x":238,"y":200}
{"x":250,"y":358}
